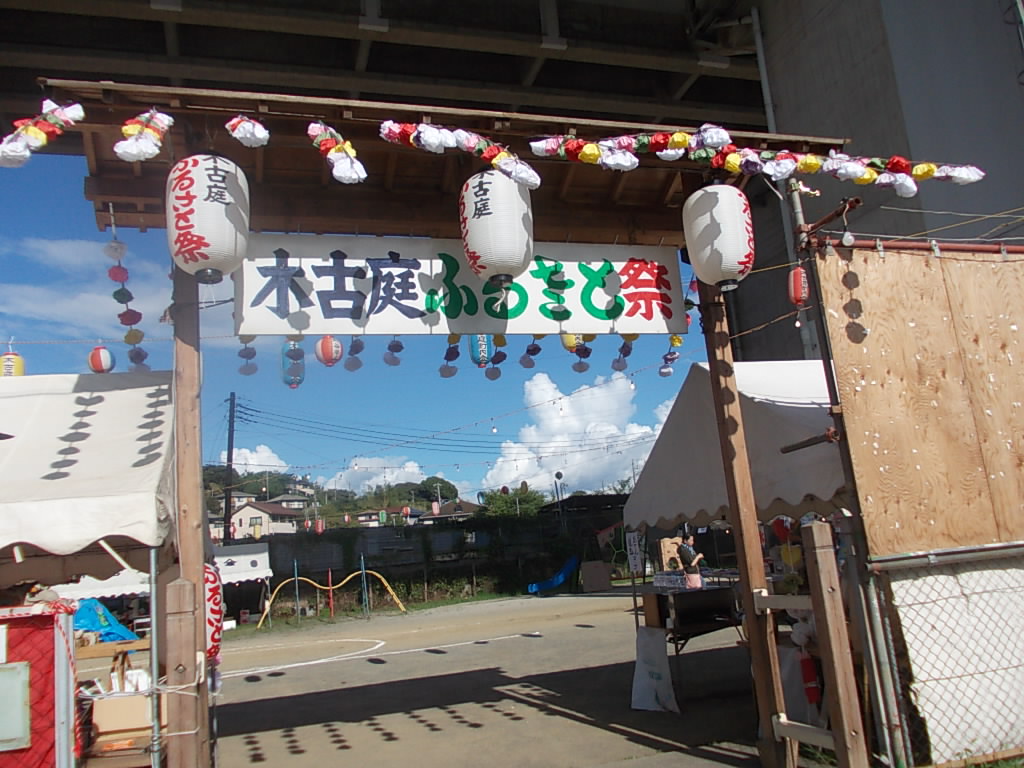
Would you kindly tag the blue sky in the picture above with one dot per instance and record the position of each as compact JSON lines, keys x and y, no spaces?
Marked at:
{"x":380,"y":424}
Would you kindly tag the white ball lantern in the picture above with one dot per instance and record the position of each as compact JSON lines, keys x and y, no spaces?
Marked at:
{"x":496,"y":220}
{"x":207,"y":203}
{"x":719,"y":235}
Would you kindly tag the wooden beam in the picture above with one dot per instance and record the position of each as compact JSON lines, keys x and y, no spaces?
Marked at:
{"x":185,"y":599}
{"x":672,"y":184}
{"x":110,"y":64}
{"x":336,"y":25}
{"x":563,"y":188}
{"x":618,"y":184}
{"x":834,"y":643}
{"x":739,"y":488}
{"x":389,"y":172}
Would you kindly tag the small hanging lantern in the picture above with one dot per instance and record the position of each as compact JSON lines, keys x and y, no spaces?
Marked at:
{"x":328,"y":350}
{"x":101,"y":360}
{"x":481,"y":349}
{"x":496,"y":220}
{"x":570,"y":341}
{"x":11,"y":363}
{"x":719,"y":235}
{"x":799,"y":290}
{"x":293,"y":365}
{"x":352,"y":362}
{"x":207,"y":203}
{"x":391,"y":356}
{"x":248,"y":355}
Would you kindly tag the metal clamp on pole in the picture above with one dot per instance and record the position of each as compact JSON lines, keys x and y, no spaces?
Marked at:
{"x":765,"y":603}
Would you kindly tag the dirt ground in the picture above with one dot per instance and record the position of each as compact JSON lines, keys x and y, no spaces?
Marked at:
{"x":515,"y":682}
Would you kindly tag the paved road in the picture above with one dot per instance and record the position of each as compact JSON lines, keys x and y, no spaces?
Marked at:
{"x":518,"y":682}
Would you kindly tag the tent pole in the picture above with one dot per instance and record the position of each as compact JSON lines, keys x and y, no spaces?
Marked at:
{"x":155,"y":757}
{"x":187,"y":715}
{"x":760,"y":628}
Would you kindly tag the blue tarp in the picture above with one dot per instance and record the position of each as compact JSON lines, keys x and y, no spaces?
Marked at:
{"x":93,"y":616}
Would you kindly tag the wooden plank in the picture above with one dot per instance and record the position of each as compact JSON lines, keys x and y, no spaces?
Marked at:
{"x":183,"y":716}
{"x":987,"y":326}
{"x":834,"y":643}
{"x":743,"y":516}
{"x":912,"y":434}
{"x":107,"y":650}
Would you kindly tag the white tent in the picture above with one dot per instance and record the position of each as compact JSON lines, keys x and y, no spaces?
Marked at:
{"x":89,"y":462}
{"x":238,"y":563}
{"x":782,"y":403}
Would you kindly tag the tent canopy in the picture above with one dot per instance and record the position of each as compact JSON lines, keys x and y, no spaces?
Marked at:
{"x":91,"y":459}
{"x":238,"y":563}
{"x":782,"y":403}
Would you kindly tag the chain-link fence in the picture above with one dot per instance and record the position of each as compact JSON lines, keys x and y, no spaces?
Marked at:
{"x":957,"y":635}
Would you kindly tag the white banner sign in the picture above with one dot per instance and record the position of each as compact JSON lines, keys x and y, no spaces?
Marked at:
{"x":636,"y":564}
{"x":309,"y":284}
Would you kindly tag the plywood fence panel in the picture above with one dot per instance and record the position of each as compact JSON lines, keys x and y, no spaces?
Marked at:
{"x":917,"y":461}
{"x":987,"y":292}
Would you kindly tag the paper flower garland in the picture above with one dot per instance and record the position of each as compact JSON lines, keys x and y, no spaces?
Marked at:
{"x":352,"y":362}
{"x":340,"y":154}
{"x":143,"y":136}
{"x":451,"y":354}
{"x":432,"y":138}
{"x":712,"y":145}
{"x":391,"y":356}
{"x":32,"y":133}
{"x":116,"y":250}
{"x":532,"y":350}
{"x":249,"y":132}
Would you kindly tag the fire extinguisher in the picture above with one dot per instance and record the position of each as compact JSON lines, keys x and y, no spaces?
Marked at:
{"x":809,"y":673}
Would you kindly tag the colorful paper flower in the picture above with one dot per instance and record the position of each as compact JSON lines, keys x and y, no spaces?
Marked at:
{"x":248,"y":132}
{"x":143,"y":136}
{"x":33,"y":133}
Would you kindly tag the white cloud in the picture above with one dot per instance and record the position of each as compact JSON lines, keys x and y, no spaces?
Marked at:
{"x":588,"y":435}
{"x":371,"y":471}
{"x":257,"y":460}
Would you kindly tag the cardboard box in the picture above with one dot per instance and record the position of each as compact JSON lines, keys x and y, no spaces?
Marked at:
{"x":123,"y":728}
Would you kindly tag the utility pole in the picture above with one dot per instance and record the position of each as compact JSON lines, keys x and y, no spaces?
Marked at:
{"x":633,"y":463}
{"x":437,"y":487}
{"x":226,"y":535}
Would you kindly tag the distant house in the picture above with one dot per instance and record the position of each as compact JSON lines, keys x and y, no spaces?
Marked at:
{"x":238,"y":498}
{"x":302,"y":488}
{"x":372,"y":518}
{"x":450,"y":511}
{"x":263,"y":518}
{"x":291,"y":501}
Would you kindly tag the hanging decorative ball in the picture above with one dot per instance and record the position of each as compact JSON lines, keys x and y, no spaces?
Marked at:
{"x":675,"y":340}
{"x":395,"y":346}
{"x":137,"y":355}
{"x":293,"y":367}
{"x":122,"y":296}
{"x":451,"y":354}
{"x":248,"y":369}
{"x":248,"y":132}
{"x":143,"y":136}
{"x":356,"y":346}
{"x":719,"y":235}
{"x":619,"y":364}
{"x":527,"y":361}
{"x":352,"y":364}
{"x":480,"y":349}
{"x":115,"y":250}
{"x":500,"y":340}
{"x":583,"y":351}
{"x":665,"y":370}
{"x":670,"y":357}
{"x":101,"y":360}
{"x":625,"y":349}
{"x":454,"y":338}
{"x":207,"y":202}
{"x":247,"y":353}
{"x":12,"y":364}
{"x":390,"y":358}
{"x":496,"y":220}
{"x":447,"y":371}
{"x":492,"y":373}
{"x":247,"y":338}
{"x":499,"y":358}
{"x":581,"y":367}
{"x":328,"y":350}
{"x":130,"y":317}
{"x":589,"y":337}
{"x":533,"y":350}
{"x":118,"y":274}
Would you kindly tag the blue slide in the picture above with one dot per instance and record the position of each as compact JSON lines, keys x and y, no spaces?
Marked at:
{"x":558,"y":579}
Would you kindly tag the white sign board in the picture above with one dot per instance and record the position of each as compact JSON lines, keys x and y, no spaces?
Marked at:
{"x":636,"y":564}
{"x":334,"y":284}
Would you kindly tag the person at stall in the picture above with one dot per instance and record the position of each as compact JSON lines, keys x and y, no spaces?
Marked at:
{"x":690,"y":559}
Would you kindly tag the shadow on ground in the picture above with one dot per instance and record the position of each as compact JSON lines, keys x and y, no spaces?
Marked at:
{"x":712,"y":687}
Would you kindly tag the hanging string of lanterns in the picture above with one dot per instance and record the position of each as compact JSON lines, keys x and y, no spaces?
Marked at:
{"x":352,"y":362}
{"x":248,"y":355}
{"x":674,"y":342}
{"x":711,"y":145}
{"x":33,"y":133}
{"x":143,"y":136}
{"x":128,"y":317}
{"x":437,"y":139}
{"x":339,"y":153}
{"x":293,"y":363}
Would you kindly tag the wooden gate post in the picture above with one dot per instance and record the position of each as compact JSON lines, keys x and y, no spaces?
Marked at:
{"x":739,"y":487}
{"x":834,"y":645}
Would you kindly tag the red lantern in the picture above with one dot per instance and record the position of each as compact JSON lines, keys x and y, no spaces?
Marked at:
{"x":319,"y":525}
{"x":799,"y":288}
{"x":328,"y":350}
{"x":101,"y":360}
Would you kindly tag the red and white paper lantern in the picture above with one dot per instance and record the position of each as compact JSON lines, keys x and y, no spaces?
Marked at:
{"x":207,"y":203}
{"x":799,"y":289}
{"x":214,"y":609}
{"x":328,"y":350}
{"x":496,"y":220}
{"x":101,"y":360}
{"x":719,"y":235}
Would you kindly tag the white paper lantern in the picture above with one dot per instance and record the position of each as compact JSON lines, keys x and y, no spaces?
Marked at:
{"x":496,"y":221}
{"x":207,"y":202}
{"x":719,"y":235}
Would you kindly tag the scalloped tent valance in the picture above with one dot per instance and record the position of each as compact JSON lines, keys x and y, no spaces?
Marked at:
{"x":782,"y":403}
